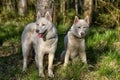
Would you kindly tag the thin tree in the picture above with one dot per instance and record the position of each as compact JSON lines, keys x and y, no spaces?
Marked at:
{"x":45,"y":5}
{"x":22,"y":7}
{"x":62,"y":7}
{"x":88,"y":9}
{"x":76,"y":7}
{"x":54,"y":12}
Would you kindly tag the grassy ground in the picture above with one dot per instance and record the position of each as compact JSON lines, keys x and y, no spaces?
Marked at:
{"x":102,"y":47}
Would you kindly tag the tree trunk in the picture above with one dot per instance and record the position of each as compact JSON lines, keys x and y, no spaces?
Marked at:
{"x":45,"y":5}
{"x":22,"y":7}
{"x":62,"y":10}
{"x":76,"y":7}
{"x":67,"y":5}
{"x":80,"y":8}
{"x":88,"y":9}
{"x":54,"y":14}
{"x":62,"y":7}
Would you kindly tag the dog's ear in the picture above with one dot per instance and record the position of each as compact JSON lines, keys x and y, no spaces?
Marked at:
{"x":48,"y":16}
{"x":87,"y":19}
{"x":76,"y":19}
{"x":38,"y":16}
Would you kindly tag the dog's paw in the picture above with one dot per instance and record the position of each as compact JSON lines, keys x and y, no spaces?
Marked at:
{"x":51,"y":75}
{"x":64,"y":65}
{"x":41,"y":75}
{"x":24,"y":70}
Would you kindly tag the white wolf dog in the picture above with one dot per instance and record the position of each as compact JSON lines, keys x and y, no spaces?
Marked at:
{"x":42,"y":37}
{"x":74,"y":40}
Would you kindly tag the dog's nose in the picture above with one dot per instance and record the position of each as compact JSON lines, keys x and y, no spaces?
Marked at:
{"x":82,"y":33}
{"x":37,"y":31}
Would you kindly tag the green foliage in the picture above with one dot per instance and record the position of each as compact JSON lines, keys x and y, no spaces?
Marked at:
{"x":71,"y":13}
{"x":101,"y":39}
{"x":74,"y":70}
{"x":63,"y":28}
{"x":107,"y":13}
{"x":106,"y":20}
{"x":108,"y":65}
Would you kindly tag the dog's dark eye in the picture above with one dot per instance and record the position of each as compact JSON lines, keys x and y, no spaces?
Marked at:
{"x":84,"y":27}
{"x":43,"y":24}
{"x":37,"y":24}
{"x":79,"y":27}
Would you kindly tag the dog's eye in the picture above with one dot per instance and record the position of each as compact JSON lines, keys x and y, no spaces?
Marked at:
{"x":43,"y":24}
{"x":37,"y":24}
{"x":84,"y":27}
{"x":79,"y":27}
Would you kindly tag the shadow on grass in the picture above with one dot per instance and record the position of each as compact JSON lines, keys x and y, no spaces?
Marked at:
{"x":98,"y":42}
{"x":10,"y":67}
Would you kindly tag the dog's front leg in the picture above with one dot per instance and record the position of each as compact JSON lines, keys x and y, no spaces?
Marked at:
{"x":36,"y":60}
{"x":40,"y":64}
{"x":36,"y":57}
{"x":67,"y":56}
{"x":25,"y":50}
{"x":50,"y":66}
{"x":82,"y":52}
{"x":83,"y":57}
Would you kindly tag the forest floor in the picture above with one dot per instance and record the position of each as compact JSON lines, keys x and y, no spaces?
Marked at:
{"x":102,"y":48}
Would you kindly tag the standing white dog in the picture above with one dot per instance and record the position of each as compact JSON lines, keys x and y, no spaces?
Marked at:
{"x":42,"y":36}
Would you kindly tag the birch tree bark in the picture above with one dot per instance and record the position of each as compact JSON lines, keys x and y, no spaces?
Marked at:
{"x":62,"y":7}
{"x":88,"y":9}
{"x":76,"y":7}
{"x":22,"y":7}
{"x":45,"y":5}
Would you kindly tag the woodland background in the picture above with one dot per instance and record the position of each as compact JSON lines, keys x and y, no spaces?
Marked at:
{"x":102,"y":40}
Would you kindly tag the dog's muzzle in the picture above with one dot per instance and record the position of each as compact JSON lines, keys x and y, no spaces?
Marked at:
{"x":37,"y":31}
{"x":39,"y":35}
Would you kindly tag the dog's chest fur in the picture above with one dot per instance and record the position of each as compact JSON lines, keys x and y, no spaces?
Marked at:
{"x":75,"y":45}
{"x":75,"y":42}
{"x":45,"y":45}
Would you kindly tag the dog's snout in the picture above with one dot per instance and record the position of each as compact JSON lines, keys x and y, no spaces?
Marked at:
{"x":82,"y":33}
{"x":37,"y":31}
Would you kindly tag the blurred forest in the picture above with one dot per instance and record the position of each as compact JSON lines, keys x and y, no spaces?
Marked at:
{"x":102,"y":40}
{"x":64,"y":11}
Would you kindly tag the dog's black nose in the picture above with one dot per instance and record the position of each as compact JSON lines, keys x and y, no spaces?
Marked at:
{"x":37,"y":31}
{"x":82,"y":33}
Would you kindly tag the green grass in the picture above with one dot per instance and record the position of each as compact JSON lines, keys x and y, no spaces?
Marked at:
{"x":102,"y":55}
